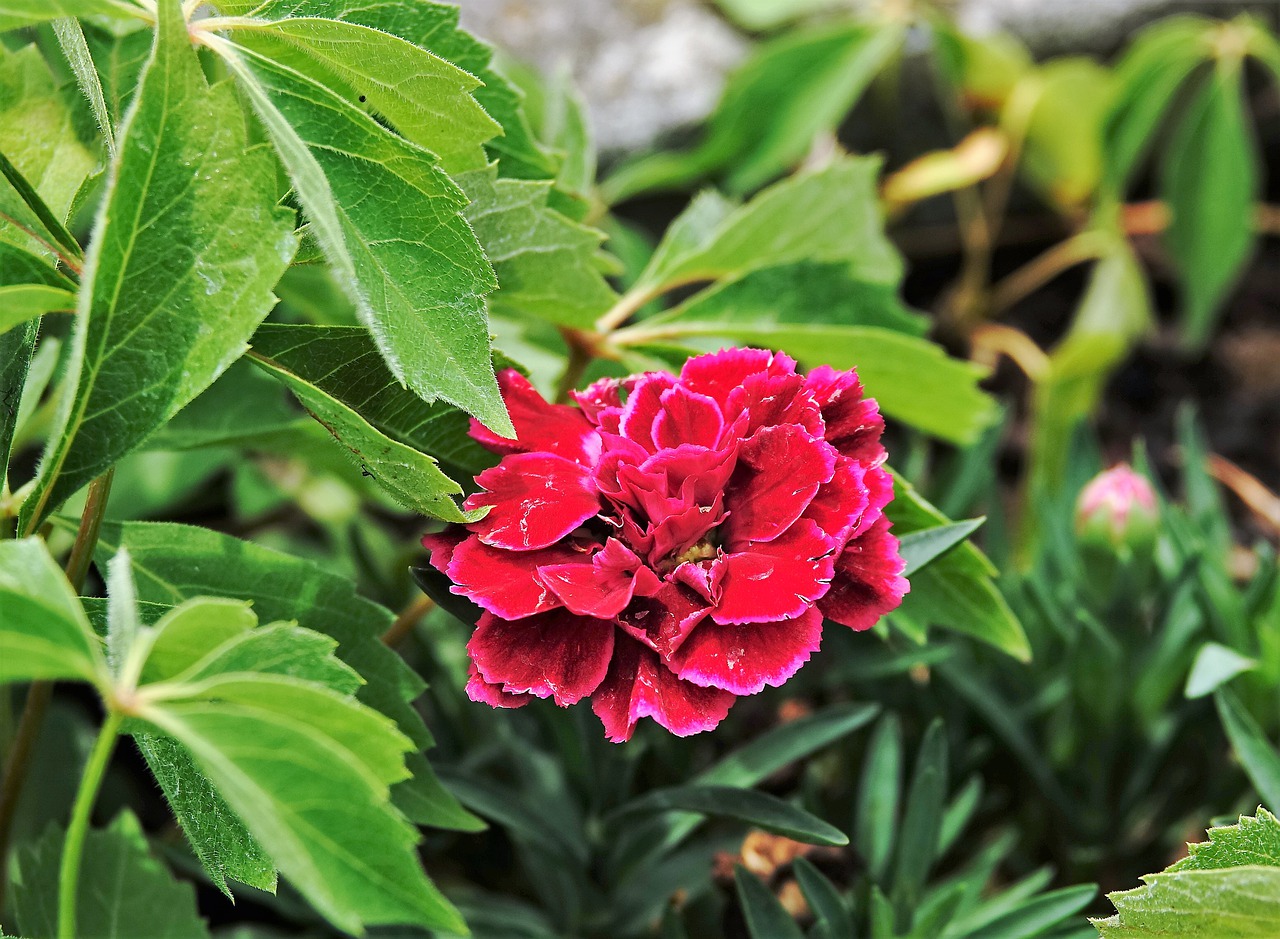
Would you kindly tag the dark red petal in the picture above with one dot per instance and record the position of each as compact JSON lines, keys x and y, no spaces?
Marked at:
{"x":663,"y":621}
{"x":841,"y":503}
{"x":743,"y":659}
{"x":602,"y":586}
{"x":779,"y":472}
{"x":556,"y":655}
{"x":540,"y":426}
{"x":854,"y":424}
{"x":879,"y":483}
{"x":601,"y":396}
{"x":695,"y":475}
{"x":639,"y":685}
{"x":481,"y":691}
{"x":687,"y":417}
{"x":767,"y":400}
{"x":506,"y":583}
{"x":537,"y":499}
{"x":717,"y":374}
{"x":643,"y":406}
{"x":779,"y":579}
{"x":868,"y":580}
{"x":441,"y":545}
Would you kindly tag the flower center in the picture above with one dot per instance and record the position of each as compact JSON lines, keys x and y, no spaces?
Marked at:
{"x":704,"y":550}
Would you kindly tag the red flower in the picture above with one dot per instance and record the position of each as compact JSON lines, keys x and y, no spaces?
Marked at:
{"x":673,"y":542}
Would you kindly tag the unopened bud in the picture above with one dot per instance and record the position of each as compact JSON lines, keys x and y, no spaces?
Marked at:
{"x":1118,"y":508}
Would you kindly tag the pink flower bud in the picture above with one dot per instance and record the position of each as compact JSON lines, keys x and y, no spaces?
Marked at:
{"x":1118,"y":508}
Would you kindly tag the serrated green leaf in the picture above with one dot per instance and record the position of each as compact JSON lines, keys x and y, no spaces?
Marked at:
{"x":412,"y":478}
{"x":405,"y":256}
{"x":791,"y":90}
{"x":919,"y":548}
{"x":39,"y":141}
{"x":1254,"y":840}
{"x":192,"y":630}
{"x":1210,"y":180}
{"x":831,"y":214}
{"x":344,"y":363}
{"x":428,"y":100}
{"x":545,"y":261}
{"x":758,"y":809}
{"x":188,"y":233}
{"x":124,"y":891}
{"x":281,"y":649}
{"x":44,"y":632}
{"x":766,"y":917}
{"x":1214,"y":666}
{"x":316,"y":811}
{"x":957,"y":591}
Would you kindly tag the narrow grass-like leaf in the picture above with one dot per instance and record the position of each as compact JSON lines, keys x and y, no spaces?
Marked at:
{"x":1256,"y":752}
{"x":828,"y":906}
{"x":76,"y":49}
{"x":917,"y":847}
{"x":755,"y":808}
{"x":919,"y":548}
{"x":766,"y":917}
{"x":879,"y":793}
{"x":188,"y":233}
{"x":1214,"y":666}
{"x":389,"y":221}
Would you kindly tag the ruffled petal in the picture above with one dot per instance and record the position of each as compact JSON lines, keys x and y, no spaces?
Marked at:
{"x":506,"y":583}
{"x":779,"y":472}
{"x":687,"y":417}
{"x":879,"y":483}
{"x":643,"y":405}
{"x":602,"y":586}
{"x":776,"y":580}
{"x":868,"y":580}
{"x":664,"y":620}
{"x":537,"y":499}
{"x":483,"y":692}
{"x":552,"y":655}
{"x":717,"y":374}
{"x":841,"y":504}
{"x":639,"y":685}
{"x":854,"y":424}
{"x":441,"y":544}
{"x":540,"y":426}
{"x":743,"y":659}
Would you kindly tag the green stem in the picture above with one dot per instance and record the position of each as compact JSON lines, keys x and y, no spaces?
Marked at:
{"x":95,"y":507}
{"x":579,"y":358}
{"x":73,"y":847}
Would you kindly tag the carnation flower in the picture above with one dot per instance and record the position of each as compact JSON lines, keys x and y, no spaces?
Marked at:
{"x":673,"y":542}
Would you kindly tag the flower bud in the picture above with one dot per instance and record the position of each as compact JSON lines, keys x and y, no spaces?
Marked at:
{"x":1118,"y":509}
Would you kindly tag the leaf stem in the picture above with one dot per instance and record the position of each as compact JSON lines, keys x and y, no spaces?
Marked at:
{"x":1037,"y":272}
{"x":407,"y":619}
{"x":73,"y":847}
{"x":626,"y":307}
{"x":581,"y":353}
{"x":95,"y":507}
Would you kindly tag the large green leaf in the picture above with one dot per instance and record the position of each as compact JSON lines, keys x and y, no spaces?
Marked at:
{"x":44,"y":632}
{"x":17,"y":13}
{"x":428,"y":100}
{"x":389,"y":221}
{"x":793,"y":89}
{"x":38,"y":137}
{"x":1227,"y":888}
{"x":1210,"y":180}
{"x":125,"y":892}
{"x":173,"y":563}
{"x":545,"y":261}
{"x":956,"y":591}
{"x":412,"y":478}
{"x":188,"y":235}
{"x":313,"y":805}
{"x":831,"y":214}
{"x":434,"y":27}
{"x":343,"y":362}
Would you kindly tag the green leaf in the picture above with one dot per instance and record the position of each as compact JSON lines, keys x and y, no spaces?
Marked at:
{"x":173,"y":563}
{"x":912,"y":379}
{"x":1215,"y":665}
{"x":917,"y":847}
{"x":758,"y":809}
{"x":75,"y":47}
{"x":790,"y":91}
{"x":192,"y":630}
{"x":820,"y":893}
{"x":920,"y":548}
{"x":1256,"y":753}
{"x":426,"y":99}
{"x":412,"y":478}
{"x":16,"y":347}
{"x":1210,"y":180}
{"x":1228,"y":888}
{"x":344,"y":363}
{"x":766,"y":917}
{"x":123,"y":622}
{"x":15,"y":14}
{"x":119,"y":60}
{"x":278,"y":649}
{"x":22,"y":302}
{"x":757,"y":15}
{"x":315,"y":808}
{"x":124,"y":892}
{"x":545,"y":262}
{"x":44,"y":632}
{"x":1147,"y":80}
{"x":956,"y":591}
{"x":188,"y":233}
{"x":1037,"y":916}
{"x":43,"y":156}
{"x":831,"y":214}
{"x":389,"y":221}
{"x":1063,"y":155}
{"x":879,"y":792}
